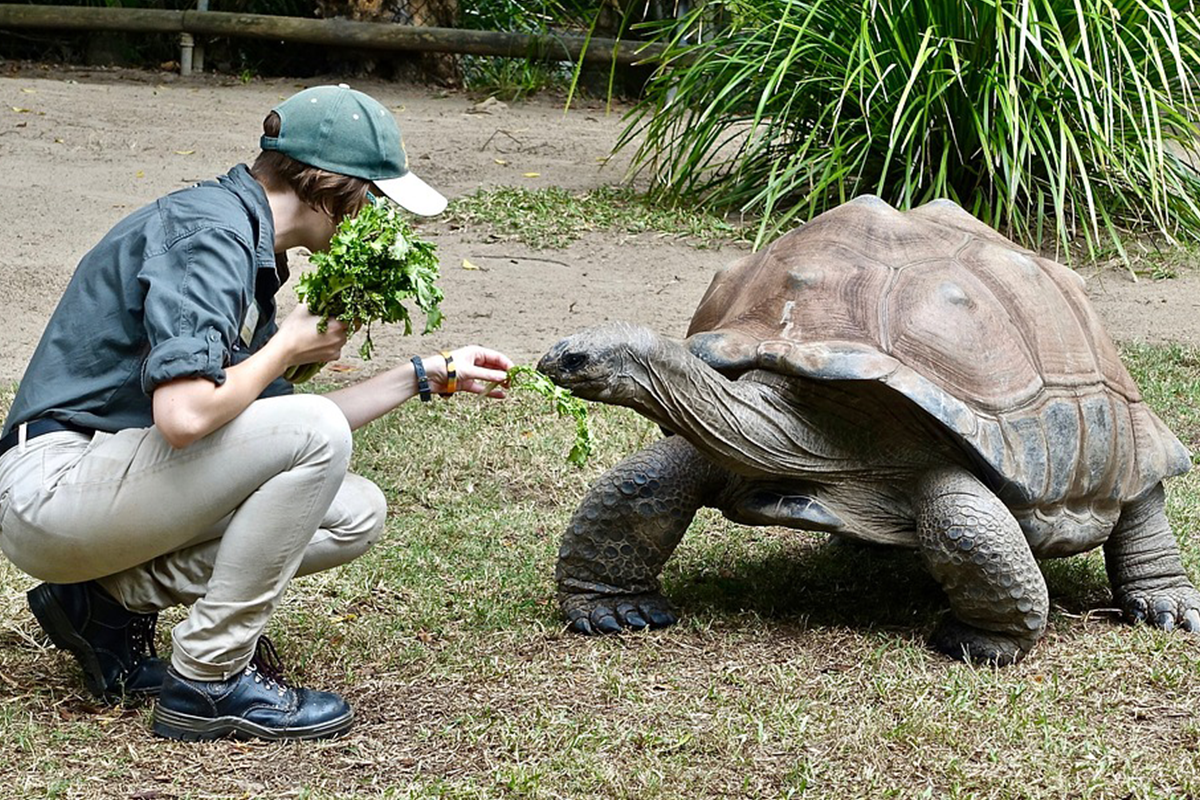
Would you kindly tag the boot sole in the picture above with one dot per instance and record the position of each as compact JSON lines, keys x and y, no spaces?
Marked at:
{"x":186,"y":727}
{"x":62,"y":633}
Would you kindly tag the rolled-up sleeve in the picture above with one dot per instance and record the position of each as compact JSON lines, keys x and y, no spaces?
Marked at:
{"x":196,"y":293}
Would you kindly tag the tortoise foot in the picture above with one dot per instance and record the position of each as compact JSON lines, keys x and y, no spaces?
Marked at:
{"x":1167,"y":608}
{"x":975,"y":645}
{"x":591,"y":614}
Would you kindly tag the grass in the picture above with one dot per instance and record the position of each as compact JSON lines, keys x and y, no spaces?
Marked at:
{"x":555,"y":217}
{"x":796,"y":671}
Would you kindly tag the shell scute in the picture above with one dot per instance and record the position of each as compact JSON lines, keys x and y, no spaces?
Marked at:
{"x":1100,"y":420}
{"x":828,"y":291}
{"x":827,"y":360}
{"x":1062,"y":431}
{"x":949,"y":324}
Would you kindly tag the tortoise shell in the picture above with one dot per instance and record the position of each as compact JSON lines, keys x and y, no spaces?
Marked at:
{"x":998,"y":344}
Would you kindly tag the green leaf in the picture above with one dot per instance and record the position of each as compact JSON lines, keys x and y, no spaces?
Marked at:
{"x":563,"y":403}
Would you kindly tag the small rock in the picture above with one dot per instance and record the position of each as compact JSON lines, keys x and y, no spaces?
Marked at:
{"x":489,"y":106}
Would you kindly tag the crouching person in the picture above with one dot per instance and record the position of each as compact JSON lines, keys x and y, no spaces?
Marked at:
{"x":154,"y":457}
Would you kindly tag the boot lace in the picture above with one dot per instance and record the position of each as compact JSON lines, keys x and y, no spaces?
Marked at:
{"x":267,"y":667}
{"x":140,"y":631}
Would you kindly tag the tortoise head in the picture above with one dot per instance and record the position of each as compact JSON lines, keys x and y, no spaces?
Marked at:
{"x":609,"y":363}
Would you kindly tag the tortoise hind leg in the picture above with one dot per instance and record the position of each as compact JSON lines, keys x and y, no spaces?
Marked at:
{"x":623,"y":532}
{"x":1147,"y":577}
{"x":976,"y":551}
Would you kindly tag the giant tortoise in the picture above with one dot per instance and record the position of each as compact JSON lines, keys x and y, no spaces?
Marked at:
{"x":904,"y":378}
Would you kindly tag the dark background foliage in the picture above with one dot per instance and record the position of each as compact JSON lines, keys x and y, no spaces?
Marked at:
{"x":250,"y":57}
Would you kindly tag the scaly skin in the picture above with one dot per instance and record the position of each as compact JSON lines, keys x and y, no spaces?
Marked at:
{"x":624,"y":531}
{"x":976,"y":551}
{"x":1147,"y":577}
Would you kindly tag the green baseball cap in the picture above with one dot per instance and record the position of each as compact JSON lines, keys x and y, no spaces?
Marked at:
{"x":338,"y":129}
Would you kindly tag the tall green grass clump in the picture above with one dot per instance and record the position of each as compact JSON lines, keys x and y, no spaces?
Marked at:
{"x":1053,"y":120}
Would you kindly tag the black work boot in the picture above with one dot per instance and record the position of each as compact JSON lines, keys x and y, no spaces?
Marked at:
{"x":113,"y":645}
{"x":255,"y":703}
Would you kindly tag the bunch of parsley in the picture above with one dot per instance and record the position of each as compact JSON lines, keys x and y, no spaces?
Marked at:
{"x":561,"y":401}
{"x":373,"y":265}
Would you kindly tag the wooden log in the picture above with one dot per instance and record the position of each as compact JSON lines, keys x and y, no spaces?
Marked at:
{"x":328,"y":32}
{"x":84,"y":18}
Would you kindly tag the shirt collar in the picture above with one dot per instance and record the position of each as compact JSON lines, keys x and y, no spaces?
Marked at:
{"x":239,"y":181}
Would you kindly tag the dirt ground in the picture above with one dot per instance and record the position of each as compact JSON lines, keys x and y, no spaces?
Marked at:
{"x":80,"y":148}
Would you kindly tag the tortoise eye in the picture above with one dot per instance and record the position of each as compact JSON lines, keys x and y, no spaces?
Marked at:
{"x":574,"y":361}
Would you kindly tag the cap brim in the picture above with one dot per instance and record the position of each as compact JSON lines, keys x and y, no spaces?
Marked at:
{"x":413,"y":194}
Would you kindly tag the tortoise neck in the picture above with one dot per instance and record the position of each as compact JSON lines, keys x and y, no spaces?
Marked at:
{"x":737,"y":423}
{"x":756,"y":427}
{"x":669,"y":379}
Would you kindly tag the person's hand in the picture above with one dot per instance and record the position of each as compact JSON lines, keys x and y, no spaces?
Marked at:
{"x":305,"y":344}
{"x":478,"y":369}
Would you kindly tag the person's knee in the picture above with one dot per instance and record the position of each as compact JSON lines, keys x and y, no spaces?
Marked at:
{"x":374,"y":512}
{"x":321,"y":414}
{"x":359,"y":514}
{"x":323,"y":428}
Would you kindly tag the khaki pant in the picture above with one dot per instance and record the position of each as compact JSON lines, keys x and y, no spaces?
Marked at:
{"x":222,"y":525}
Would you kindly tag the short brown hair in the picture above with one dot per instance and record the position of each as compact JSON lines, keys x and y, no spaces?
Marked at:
{"x":337,"y":195}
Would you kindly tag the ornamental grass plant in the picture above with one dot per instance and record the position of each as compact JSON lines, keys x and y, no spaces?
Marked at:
{"x":1056,"y":121}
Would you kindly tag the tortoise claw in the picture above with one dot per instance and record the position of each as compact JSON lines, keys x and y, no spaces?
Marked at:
{"x":592,"y":620}
{"x":577,"y":621}
{"x":603,"y":621}
{"x":661,"y":618}
{"x":974,"y":645}
{"x":601,"y":614}
{"x":1168,"y":609}
{"x":1137,"y":610}
{"x":1164,"y":613}
{"x":629,"y":615}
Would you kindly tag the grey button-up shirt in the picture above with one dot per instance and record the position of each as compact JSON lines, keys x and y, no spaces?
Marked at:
{"x":183,"y":287}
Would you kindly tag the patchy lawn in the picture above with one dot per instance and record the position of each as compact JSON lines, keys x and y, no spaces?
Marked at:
{"x":798,"y":670}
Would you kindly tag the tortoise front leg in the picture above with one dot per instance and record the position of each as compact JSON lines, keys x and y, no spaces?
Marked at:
{"x":624,"y":531}
{"x":976,"y":551}
{"x":1147,"y":577}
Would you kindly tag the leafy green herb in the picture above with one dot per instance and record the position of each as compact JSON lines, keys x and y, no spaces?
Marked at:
{"x":563,"y":402}
{"x":373,"y":265}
